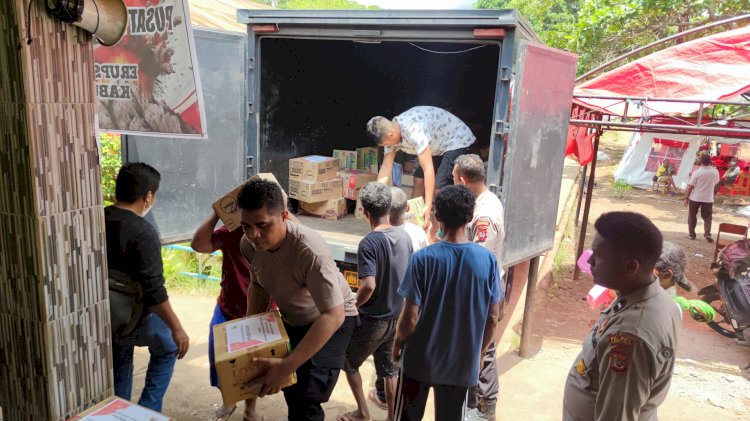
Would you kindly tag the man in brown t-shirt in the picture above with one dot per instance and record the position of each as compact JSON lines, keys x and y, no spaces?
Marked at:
{"x":291,"y":265}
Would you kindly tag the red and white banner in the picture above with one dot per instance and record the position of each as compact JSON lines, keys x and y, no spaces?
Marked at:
{"x":148,"y":84}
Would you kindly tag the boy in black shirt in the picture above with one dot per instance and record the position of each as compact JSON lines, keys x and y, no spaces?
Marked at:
{"x":383,"y":255}
{"x":133,"y":247}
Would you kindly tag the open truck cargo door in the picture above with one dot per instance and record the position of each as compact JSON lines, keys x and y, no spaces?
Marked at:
{"x":196,"y":172}
{"x":542,"y":91}
{"x":308,"y":81}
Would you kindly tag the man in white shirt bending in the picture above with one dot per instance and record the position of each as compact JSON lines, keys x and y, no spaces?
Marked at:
{"x":434,"y":135}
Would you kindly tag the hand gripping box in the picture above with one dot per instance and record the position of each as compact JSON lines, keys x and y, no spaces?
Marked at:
{"x":228,"y":210}
{"x":237,"y":342}
{"x":313,"y":168}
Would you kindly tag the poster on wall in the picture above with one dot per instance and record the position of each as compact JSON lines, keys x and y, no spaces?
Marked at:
{"x":148,"y":84}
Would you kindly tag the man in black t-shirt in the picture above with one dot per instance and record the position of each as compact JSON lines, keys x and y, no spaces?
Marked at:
{"x":383,"y":256}
{"x":133,"y":247}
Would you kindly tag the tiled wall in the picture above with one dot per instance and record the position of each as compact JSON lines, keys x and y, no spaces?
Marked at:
{"x":54,"y":316}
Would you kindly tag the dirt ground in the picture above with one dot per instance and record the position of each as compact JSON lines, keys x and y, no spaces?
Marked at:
{"x":711,"y":379}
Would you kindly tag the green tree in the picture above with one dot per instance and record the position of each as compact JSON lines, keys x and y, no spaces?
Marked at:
{"x":109,"y":145}
{"x":553,"y":20}
{"x":600,"y":30}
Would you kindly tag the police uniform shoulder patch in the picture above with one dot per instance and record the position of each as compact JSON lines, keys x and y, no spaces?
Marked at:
{"x":481,"y":225}
{"x":620,"y":351}
{"x":581,"y":367}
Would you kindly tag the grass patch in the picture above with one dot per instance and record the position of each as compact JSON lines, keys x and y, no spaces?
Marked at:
{"x":515,"y":342}
{"x":177,"y":262}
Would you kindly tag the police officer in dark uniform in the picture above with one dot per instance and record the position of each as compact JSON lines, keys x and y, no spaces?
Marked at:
{"x":626,"y":365}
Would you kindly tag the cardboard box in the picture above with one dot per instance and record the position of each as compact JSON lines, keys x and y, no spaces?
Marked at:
{"x":347,"y":159}
{"x":407,"y":179}
{"x":484,"y":153}
{"x":367,"y":159}
{"x":313,"y":168}
{"x":118,"y":409}
{"x":237,"y":342}
{"x":359,"y":212}
{"x":414,"y":214}
{"x":328,"y":209}
{"x":397,"y":174}
{"x":316,"y":191}
{"x":355,"y":180}
{"x":228,"y":210}
{"x":410,"y":165}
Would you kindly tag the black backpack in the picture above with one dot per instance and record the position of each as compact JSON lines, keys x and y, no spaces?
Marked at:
{"x":125,"y":302}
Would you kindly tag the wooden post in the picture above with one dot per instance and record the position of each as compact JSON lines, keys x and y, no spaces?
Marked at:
{"x":581,"y":191}
{"x":528,"y":309}
{"x":587,"y":207}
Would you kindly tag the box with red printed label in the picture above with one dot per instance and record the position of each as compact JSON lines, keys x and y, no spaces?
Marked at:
{"x":355,"y":180}
{"x":118,"y":409}
{"x":237,"y":342}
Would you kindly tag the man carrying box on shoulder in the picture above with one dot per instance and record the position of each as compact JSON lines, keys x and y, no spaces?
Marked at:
{"x":434,"y":135}
{"x":291,"y":265}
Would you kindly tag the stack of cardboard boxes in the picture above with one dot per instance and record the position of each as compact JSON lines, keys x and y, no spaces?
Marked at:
{"x":313,"y":180}
{"x":323,"y":184}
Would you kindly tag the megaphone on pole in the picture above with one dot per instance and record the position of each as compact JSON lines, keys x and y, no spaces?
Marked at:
{"x":107,"y":20}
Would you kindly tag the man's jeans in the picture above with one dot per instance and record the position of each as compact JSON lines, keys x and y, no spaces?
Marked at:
{"x":154,"y":334}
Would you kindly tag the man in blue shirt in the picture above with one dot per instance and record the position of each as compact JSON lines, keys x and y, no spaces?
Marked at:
{"x":452,"y":294}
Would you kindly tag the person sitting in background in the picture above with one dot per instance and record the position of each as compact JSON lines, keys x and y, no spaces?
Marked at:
{"x":729,"y":177}
{"x":665,"y":176}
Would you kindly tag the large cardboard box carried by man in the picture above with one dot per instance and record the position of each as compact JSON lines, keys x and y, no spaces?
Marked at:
{"x":237,"y":342}
{"x":227,"y":209}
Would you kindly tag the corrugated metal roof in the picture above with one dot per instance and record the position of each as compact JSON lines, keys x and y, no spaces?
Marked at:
{"x":221,"y":14}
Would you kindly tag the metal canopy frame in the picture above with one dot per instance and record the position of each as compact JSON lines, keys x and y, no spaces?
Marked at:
{"x":601,"y":119}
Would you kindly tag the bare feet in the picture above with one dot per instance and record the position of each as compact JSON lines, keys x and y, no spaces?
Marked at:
{"x":353,"y":416}
{"x":223,"y":413}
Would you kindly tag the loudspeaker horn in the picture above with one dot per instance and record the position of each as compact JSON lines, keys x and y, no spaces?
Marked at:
{"x":107,"y":20}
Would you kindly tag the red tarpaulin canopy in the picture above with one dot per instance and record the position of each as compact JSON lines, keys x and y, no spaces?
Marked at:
{"x":715,"y":67}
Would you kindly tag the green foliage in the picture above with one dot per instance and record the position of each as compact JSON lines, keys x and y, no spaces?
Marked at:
{"x":111,"y":162}
{"x":553,"y":20}
{"x":620,"y":188}
{"x":600,"y":30}
{"x":178,"y":261}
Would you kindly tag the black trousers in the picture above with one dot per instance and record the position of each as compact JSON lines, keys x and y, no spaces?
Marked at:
{"x":706,"y":214}
{"x":411,"y":399}
{"x":317,"y":377}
